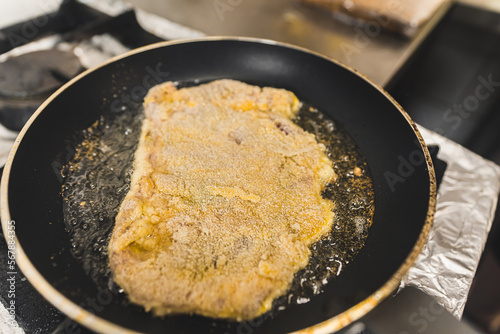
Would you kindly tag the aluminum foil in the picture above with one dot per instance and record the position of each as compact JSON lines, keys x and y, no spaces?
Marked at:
{"x":466,"y":204}
{"x":98,"y":49}
{"x":7,"y":138}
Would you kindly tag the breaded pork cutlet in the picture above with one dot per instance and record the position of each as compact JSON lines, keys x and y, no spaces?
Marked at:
{"x":225,"y":200}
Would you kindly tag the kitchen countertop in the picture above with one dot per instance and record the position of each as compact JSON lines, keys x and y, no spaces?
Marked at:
{"x":376,"y":54}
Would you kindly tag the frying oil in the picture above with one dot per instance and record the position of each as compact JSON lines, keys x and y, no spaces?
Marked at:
{"x":98,"y":178}
{"x":96,"y":182}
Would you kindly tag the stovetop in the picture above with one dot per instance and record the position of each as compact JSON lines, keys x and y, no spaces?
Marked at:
{"x":77,"y":28}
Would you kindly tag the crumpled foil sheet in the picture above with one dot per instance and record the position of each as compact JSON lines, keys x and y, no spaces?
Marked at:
{"x":98,"y":49}
{"x":466,"y":203}
{"x":7,"y":138}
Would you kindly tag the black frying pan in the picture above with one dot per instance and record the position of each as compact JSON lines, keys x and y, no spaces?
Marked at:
{"x":399,"y":162}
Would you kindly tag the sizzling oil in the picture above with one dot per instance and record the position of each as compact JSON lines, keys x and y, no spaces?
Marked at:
{"x":353,"y":196}
{"x":95,"y":182}
{"x":98,"y":178}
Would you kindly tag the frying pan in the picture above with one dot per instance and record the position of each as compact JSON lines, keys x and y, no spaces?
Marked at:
{"x":399,"y":161}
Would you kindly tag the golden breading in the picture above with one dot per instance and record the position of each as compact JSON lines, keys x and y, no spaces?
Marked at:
{"x":225,"y":199}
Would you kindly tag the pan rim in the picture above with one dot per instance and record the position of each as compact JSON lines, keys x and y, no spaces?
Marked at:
{"x":96,"y":323}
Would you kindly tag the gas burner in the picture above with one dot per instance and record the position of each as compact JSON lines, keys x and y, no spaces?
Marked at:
{"x":28,"y":79}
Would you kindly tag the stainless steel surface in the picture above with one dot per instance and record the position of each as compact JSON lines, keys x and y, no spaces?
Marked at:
{"x":491,"y":5}
{"x":466,"y":203}
{"x":364,"y":47}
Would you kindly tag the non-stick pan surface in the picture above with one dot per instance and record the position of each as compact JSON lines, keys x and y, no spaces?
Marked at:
{"x":398,"y":160}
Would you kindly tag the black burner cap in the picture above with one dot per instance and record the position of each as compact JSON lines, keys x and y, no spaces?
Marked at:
{"x":37,"y":73}
{"x":28,"y":79}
